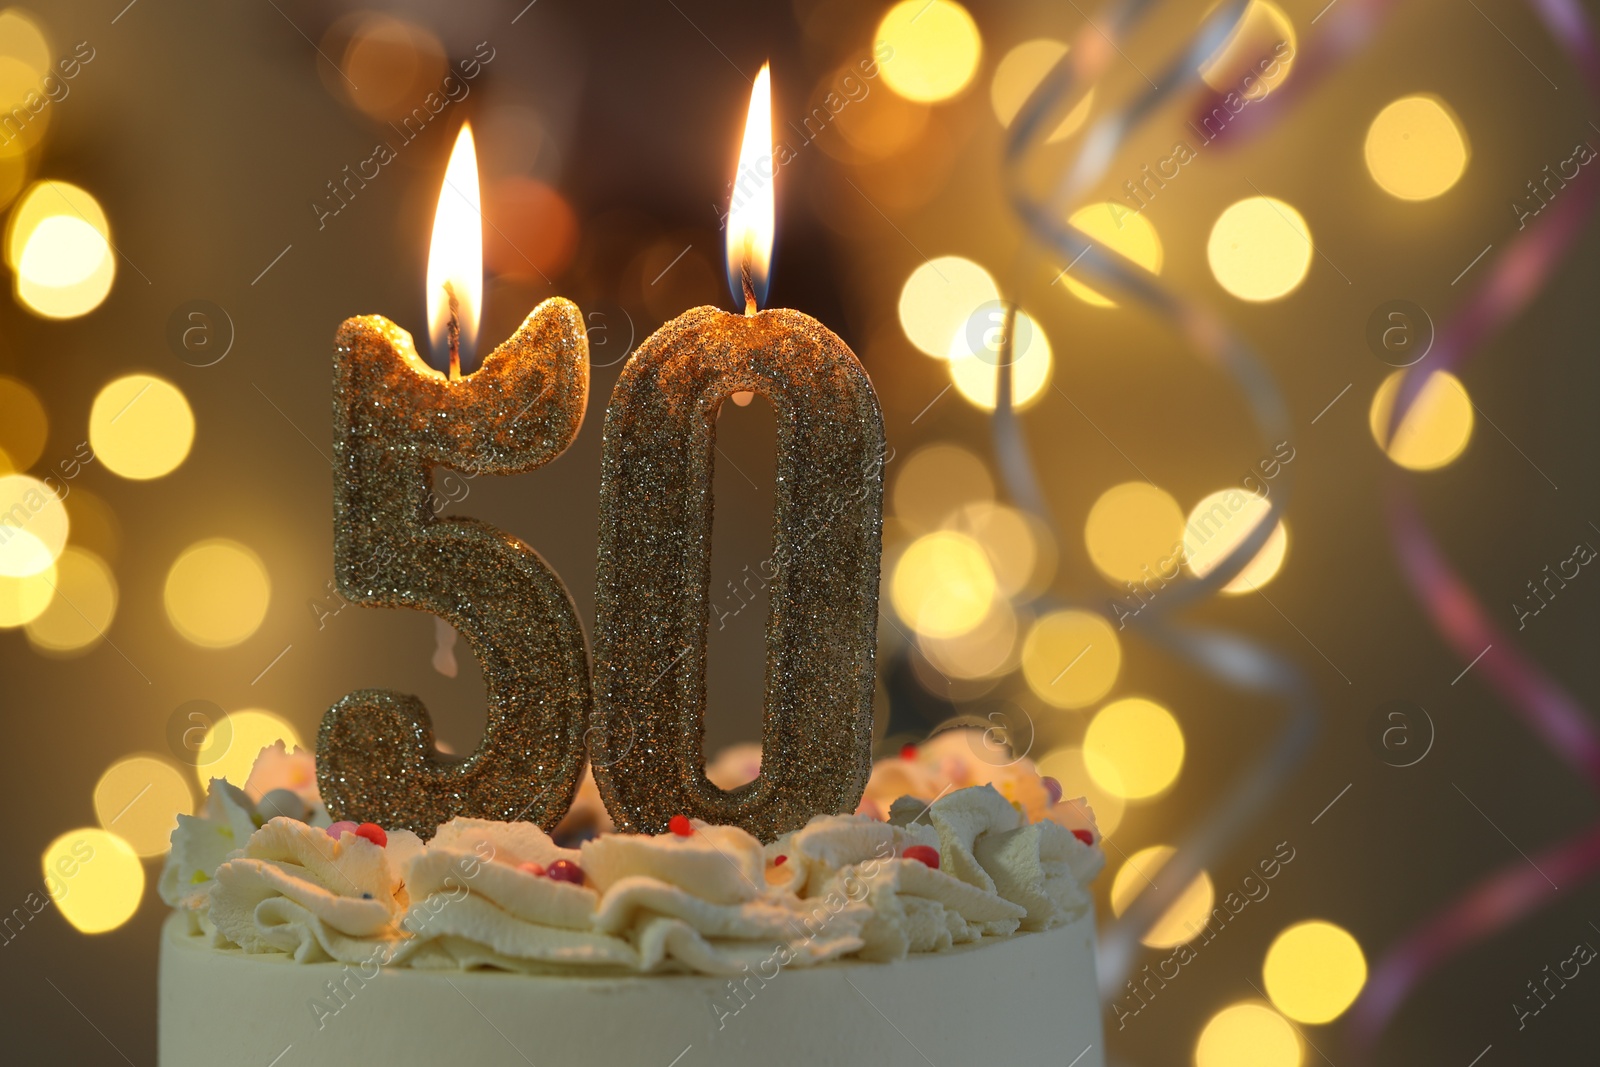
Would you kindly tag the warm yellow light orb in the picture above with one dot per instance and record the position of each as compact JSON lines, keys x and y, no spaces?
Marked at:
{"x":976,"y":372}
{"x":1071,"y":658}
{"x":1124,"y":231}
{"x":1066,"y":766}
{"x":95,"y":879}
{"x":139,"y":799}
{"x":81,"y":610}
{"x":141,"y":426}
{"x":217,"y":593}
{"x":46,"y":199}
{"x":936,"y":481}
{"x":1435,"y":429}
{"x":1248,"y":1034}
{"x":1018,"y":74}
{"x":1184,"y":918}
{"x":66,"y":268}
{"x":1257,"y":56}
{"x":1134,"y":747}
{"x":1134,"y":533}
{"x":939,"y":300}
{"x":987,"y":650}
{"x":1314,"y":971}
{"x":23,"y":423}
{"x":24,"y":599}
{"x":248,"y":732}
{"x":932,"y":47}
{"x":1010,"y":537}
{"x":1260,"y":249}
{"x":943,"y":585}
{"x":1416,"y":149}
{"x":1219,"y":524}
{"x":33,"y":526}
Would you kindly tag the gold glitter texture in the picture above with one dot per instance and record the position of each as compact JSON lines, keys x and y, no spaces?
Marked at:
{"x":655,"y":572}
{"x":395,"y":419}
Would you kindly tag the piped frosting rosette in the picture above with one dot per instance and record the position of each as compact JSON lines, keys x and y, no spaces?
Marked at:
{"x":698,"y":903}
{"x":702,"y":899}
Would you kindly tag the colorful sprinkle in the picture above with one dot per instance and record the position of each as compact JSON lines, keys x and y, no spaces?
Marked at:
{"x":340,"y":828}
{"x":1086,"y":836}
{"x":925,"y":854}
{"x":780,"y":861}
{"x":535,"y":869}
{"x":373,"y":832}
{"x":565,"y":871}
{"x":680,"y":825}
{"x":908,"y":751}
{"x":366,"y":896}
{"x":1052,"y":787}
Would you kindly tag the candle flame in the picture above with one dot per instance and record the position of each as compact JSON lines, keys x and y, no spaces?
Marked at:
{"x":455,"y":257}
{"x":751,"y":213}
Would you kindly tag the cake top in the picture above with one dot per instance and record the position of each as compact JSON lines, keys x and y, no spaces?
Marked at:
{"x":965,"y":850}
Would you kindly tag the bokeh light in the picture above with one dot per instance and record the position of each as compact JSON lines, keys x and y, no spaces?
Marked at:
{"x":1313,"y":971}
{"x":33,"y":526}
{"x":936,"y":481}
{"x":1134,"y":533}
{"x":1436,"y":427}
{"x":82,"y":608}
{"x":24,"y":599}
{"x":139,"y":799}
{"x":217,"y":593}
{"x":43,"y":200}
{"x":935,"y":45}
{"x":1260,"y":249}
{"x":387,"y":65}
{"x":1248,"y":1034}
{"x":1019,"y":73}
{"x":976,"y":371}
{"x":1134,"y":747}
{"x":248,"y":732}
{"x":1070,"y":659}
{"x":875,"y":127}
{"x":1014,"y":541}
{"x":939,"y":299}
{"x":1184,"y":918}
{"x":532,"y":232}
{"x":141,"y":426}
{"x":66,"y":268}
{"x":94,"y":524}
{"x":1066,"y":766}
{"x":1257,"y":56}
{"x":988,"y":650}
{"x":25,"y":61}
{"x":943,"y":585}
{"x":23,"y":423}
{"x":1122,"y":230}
{"x":1416,"y":149}
{"x":95,"y":879}
{"x":1220,"y":523}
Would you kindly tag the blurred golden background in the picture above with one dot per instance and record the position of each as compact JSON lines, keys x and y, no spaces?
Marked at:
{"x":196,"y":195}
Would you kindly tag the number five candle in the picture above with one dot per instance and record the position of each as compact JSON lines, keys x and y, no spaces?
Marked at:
{"x":395,"y":420}
{"x":655,"y":549}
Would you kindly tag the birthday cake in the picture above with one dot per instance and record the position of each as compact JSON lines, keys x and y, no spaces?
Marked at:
{"x":953,"y":922}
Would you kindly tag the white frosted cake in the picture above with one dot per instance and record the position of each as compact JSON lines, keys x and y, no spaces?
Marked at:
{"x":959,"y":931}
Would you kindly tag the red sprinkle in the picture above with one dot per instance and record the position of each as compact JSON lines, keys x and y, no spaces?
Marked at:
{"x":908,"y":751}
{"x":680,"y":825}
{"x":374,"y":833}
{"x":565,"y":871}
{"x":923,"y":854}
{"x":780,"y":861}
{"x":1086,"y":836}
{"x":535,"y":869}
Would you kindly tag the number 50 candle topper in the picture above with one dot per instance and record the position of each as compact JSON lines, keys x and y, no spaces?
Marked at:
{"x":396,"y":420}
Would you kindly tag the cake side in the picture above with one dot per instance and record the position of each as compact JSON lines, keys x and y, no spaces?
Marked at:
{"x":1025,"y":999}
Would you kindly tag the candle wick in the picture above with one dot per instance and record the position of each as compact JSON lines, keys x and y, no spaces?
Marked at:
{"x":453,"y":332}
{"x":750,"y":307}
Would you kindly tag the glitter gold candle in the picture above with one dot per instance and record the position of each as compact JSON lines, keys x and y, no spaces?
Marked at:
{"x":395,"y":420}
{"x":655,"y":552}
